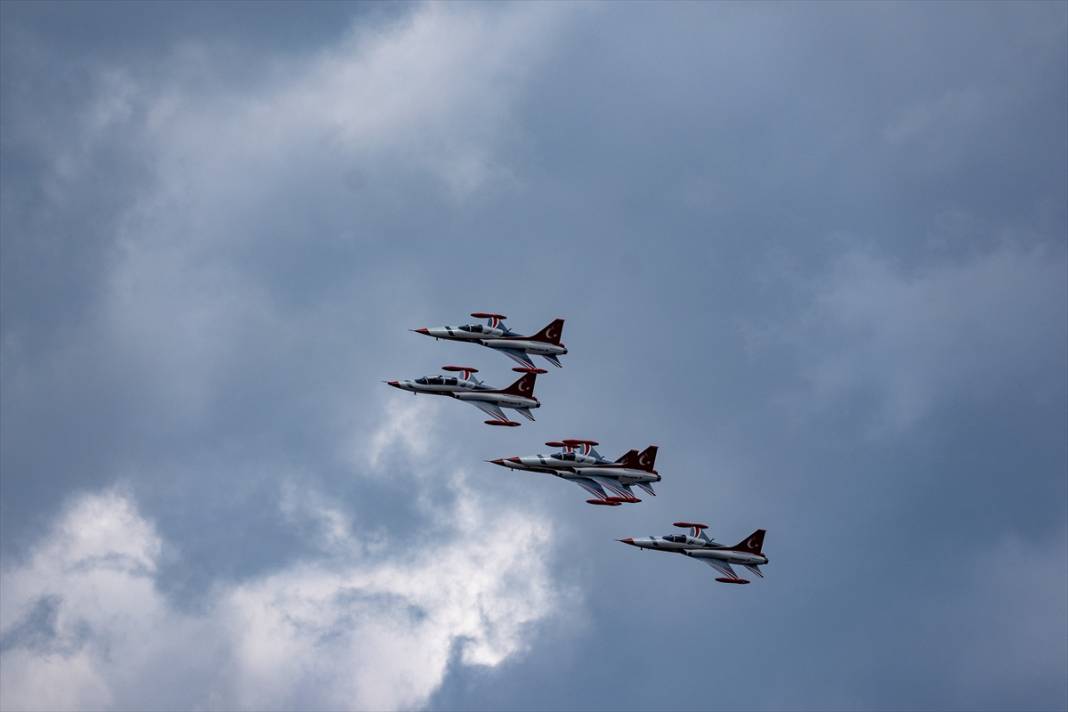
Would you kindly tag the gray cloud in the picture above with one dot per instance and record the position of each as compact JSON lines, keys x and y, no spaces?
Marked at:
{"x":816,"y":254}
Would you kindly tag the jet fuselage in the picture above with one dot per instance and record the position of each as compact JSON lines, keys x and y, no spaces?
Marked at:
{"x":439,"y":386}
{"x":697,"y":549}
{"x":505,"y":400}
{"x":573,"y":470}
{"x":538,"y":348}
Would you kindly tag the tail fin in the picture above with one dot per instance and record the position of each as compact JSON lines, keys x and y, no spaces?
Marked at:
{"x":523,"y":387}
{"x":550,"y":333}
{"x":628,"y":457}
{"x":647,"y":458}
{"x":754,"y":543}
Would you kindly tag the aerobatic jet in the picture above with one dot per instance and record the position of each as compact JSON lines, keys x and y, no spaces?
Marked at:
{"x":698,"y":545}
{"x":495,"y":335}
{"x":577,"y":461}
{"x":518,"y":397}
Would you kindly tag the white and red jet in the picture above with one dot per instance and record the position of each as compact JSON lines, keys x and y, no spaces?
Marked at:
{"x":697,"y":545}
{"x":495,"y":335}
{"x":518,"y":397}
{"x":609,"y":481}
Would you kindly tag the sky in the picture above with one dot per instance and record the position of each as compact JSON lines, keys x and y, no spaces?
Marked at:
{"x":814,"y":252}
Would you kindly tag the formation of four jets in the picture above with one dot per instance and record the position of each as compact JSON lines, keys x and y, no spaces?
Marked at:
{"x":609,"y":481}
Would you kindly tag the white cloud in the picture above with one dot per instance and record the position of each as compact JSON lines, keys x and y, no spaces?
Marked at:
{"x":347,"y":631}
{"x":241,"y":166}
{"x":407,"y":422}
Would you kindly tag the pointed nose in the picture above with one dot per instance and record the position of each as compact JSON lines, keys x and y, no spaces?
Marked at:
{"x":421,"y":331}
{"x":395,"y":384}
{"x":628,"y":540}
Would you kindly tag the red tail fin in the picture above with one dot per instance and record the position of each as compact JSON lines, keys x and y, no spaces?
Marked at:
{"x":523,"y":387}
{"x":551,"y":333}
{"x":647,"y":458}
{"x":630,"y":456}
{"x":754,"y":543}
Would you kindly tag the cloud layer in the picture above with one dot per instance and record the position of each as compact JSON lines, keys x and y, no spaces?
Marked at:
{"x":370,"y":623}
{"x":832,"y":291}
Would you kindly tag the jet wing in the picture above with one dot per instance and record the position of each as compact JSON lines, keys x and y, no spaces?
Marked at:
{"x":490,"y":409}
{"x":722,"y":566}
{"x":613,"y":486}
{"x":553,"y":360}
{"x":590,"y":486}
{"x":647,"y":487}
{"x":519,"y":356}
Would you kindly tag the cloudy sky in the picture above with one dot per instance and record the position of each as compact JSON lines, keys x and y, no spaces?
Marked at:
{"x":815,"y":252}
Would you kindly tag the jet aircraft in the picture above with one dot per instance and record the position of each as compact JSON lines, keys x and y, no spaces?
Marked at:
{"x":518,"y":397}
{"x":697,"y":545}
{"x":495,"y":335}
{"x":608,"y":481}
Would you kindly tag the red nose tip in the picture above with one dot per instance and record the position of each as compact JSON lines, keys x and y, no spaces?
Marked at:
{"x":422,"y":331}
{"x":395,"y":384}
{"x":628,"y":540}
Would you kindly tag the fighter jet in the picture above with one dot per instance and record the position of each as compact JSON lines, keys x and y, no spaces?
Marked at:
{"x":495,"y":335}
{"x":748,"y":552}
{"x":608,"y":481}
{"x":518,"y":397}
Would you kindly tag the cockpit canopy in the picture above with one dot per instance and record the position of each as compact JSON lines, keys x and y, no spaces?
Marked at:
{"x":677,"y":538}
{"x":473,"y":328}
{"x":436,"y":381}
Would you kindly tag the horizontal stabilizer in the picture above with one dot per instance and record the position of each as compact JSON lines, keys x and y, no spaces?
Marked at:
{"x":525,"y":412}
{"x":754,"y":568}
{"x":647,"y":487}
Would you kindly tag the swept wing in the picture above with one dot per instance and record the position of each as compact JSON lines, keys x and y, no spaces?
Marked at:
{"x":721,"y":566}
{"x":490,"y":409}
{"x":590,"y":486}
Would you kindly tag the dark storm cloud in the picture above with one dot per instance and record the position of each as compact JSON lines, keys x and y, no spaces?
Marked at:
{"x":815,"y":252}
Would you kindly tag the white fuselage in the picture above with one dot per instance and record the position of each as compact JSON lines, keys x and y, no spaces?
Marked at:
{"x":698,"y":549}
{"x":503,"y":400}
{"x":438,"y":386}
{"x":538,"y":348}
{"x":626,"y":475}
{"x":728,"y":555}
{"x":471,"y":332}
{"x":556,"y":461}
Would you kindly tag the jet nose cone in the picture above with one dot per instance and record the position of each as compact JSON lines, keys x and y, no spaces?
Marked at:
{"x":395,"y":384}
{"x":498,"y":461}
{"x":628,"y":540}
{"x":424,"y":330}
